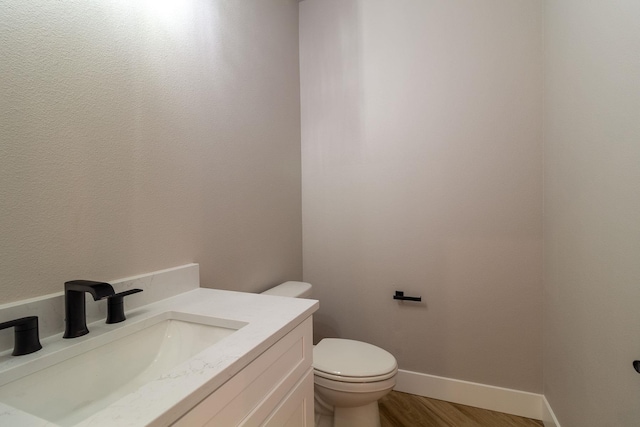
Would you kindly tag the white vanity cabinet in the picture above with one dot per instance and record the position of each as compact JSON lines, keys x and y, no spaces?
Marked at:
{"x":275,"y":389}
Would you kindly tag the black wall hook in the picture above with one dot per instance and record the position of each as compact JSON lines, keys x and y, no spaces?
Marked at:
{"x":400,"y":295}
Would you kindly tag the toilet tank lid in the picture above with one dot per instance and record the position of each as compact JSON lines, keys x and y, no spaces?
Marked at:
{"x":291,"y":289}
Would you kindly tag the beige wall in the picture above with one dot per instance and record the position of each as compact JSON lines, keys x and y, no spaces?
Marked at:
{"x":422,"y":171}
{"x":141,"y":135}
{"x":592,"y":212}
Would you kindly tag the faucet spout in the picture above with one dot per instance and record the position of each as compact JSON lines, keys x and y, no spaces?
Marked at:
{"x":75,"y":305}
{"x":98,"y":290}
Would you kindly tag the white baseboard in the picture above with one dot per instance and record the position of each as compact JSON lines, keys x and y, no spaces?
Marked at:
{"x":483,"y":396}
{"x":548,"y":417}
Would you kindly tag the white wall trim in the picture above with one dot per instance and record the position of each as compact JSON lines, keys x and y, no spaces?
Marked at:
{"x":548,"y":417}
{"x":483,"y":396}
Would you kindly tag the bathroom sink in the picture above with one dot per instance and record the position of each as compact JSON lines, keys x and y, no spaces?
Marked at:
{"x":70,"y":391}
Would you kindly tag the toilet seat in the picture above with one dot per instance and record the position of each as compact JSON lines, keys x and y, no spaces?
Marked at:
{"x":345,"y":379}
{"x":352,"y":361}
{"x":353,"y":387}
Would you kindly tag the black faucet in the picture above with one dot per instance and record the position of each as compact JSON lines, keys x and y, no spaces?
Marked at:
{"x":75,"y":306}
{"x":26,"y":339}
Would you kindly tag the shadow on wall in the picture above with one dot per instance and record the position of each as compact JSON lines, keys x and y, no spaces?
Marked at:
{"x":324,"y":327}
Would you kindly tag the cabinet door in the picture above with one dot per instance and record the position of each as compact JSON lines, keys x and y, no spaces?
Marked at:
{"x":296,"y":410}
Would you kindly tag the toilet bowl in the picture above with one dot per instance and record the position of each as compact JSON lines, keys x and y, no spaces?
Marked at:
{"x":349,"y":376}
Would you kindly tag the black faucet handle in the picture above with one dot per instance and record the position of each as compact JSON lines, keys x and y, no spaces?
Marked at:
{"x":26,"y":337}
{"x":115,"y":306}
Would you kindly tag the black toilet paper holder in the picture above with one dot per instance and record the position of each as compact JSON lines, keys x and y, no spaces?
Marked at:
{"x":400,"y":295}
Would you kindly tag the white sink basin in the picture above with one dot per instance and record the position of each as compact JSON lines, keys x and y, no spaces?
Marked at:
{"x":72,"y":390}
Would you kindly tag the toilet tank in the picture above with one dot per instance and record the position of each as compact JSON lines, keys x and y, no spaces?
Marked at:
{"x":291,"y":289}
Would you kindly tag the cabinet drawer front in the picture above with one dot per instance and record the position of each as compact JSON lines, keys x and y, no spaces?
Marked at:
{"x":254,"y":392}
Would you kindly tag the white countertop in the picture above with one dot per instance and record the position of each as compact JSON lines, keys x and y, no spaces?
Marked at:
{"x":163,"y":401}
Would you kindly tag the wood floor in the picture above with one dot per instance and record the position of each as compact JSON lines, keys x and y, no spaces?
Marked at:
{"x":407,"y":410}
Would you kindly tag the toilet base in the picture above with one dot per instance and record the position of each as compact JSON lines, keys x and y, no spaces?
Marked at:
{"x":360,"y":416}
{"x":323,"y":413}
{"x":351,"y":404}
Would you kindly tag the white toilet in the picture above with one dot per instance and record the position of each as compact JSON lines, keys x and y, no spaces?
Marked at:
{"x":350,"y":376}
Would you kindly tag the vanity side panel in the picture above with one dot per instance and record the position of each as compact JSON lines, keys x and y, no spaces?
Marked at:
{"x":296,"y":409}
